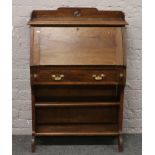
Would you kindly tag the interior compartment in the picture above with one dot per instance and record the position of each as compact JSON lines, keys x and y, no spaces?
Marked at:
{"x":57,"y":115}
{"x":76,"y":93}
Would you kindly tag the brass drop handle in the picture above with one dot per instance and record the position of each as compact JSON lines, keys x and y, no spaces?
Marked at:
{"x":98,"y":77}
{"x":57,"y":77}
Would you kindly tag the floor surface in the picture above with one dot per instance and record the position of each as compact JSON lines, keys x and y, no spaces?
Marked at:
{"x":77,"y":145}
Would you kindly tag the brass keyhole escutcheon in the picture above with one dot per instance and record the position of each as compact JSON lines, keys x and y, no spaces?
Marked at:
{"x":57,"y":77}
{"x":98,"y":77}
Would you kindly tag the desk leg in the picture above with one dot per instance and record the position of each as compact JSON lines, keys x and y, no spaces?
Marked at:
{"x":33,"y":145}
{"x":120,"y":138}
{"x":120,"y":143}
{"x":33,"y":141}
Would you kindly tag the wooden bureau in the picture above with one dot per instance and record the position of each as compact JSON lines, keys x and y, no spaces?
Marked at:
{"x":78,"y":73}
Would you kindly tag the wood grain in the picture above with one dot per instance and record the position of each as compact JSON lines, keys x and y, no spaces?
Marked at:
{"x":79,"y":46}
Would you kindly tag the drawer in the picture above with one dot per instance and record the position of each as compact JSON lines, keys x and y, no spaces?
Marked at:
{"x":77,"y":75}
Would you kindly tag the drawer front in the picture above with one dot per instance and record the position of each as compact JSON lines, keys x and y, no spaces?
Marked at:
{"x":77,"y":75}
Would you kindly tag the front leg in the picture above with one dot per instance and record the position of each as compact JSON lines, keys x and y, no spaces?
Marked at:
{"x":33,"y":144}
{"x":120,"y":143}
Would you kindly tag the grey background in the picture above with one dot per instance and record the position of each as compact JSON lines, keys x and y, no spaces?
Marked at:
{"x":21,"y":45}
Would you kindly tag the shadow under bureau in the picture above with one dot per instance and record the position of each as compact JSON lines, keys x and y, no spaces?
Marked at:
{"x":78,"y":73}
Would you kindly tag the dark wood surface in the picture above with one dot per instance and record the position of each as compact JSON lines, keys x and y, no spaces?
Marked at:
{"x":65,"y":75}
{"x":48,"y":115}
{"x":78,"y":73}
{"x":76,"y":104}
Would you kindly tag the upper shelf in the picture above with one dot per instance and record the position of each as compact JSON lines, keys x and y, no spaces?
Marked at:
{"x":77,"y":17}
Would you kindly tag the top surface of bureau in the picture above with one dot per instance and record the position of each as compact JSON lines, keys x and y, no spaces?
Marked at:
{"x":77,"y":36}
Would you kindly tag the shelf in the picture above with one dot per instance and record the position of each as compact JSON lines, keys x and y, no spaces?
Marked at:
{"x":74,"y":104}
{"x":75,"y":83}
{"x":77,"y":130}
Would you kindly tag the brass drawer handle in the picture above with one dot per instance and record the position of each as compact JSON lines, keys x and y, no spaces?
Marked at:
{"x":57,"y":77}
{"x":98,"y":77}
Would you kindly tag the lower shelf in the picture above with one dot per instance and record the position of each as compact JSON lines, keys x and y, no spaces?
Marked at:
{"x":75,"y":104}
{"x":77,"y":130}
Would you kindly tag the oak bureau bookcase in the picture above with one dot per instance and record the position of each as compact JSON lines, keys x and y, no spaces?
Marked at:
{"x":78,"y":73}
